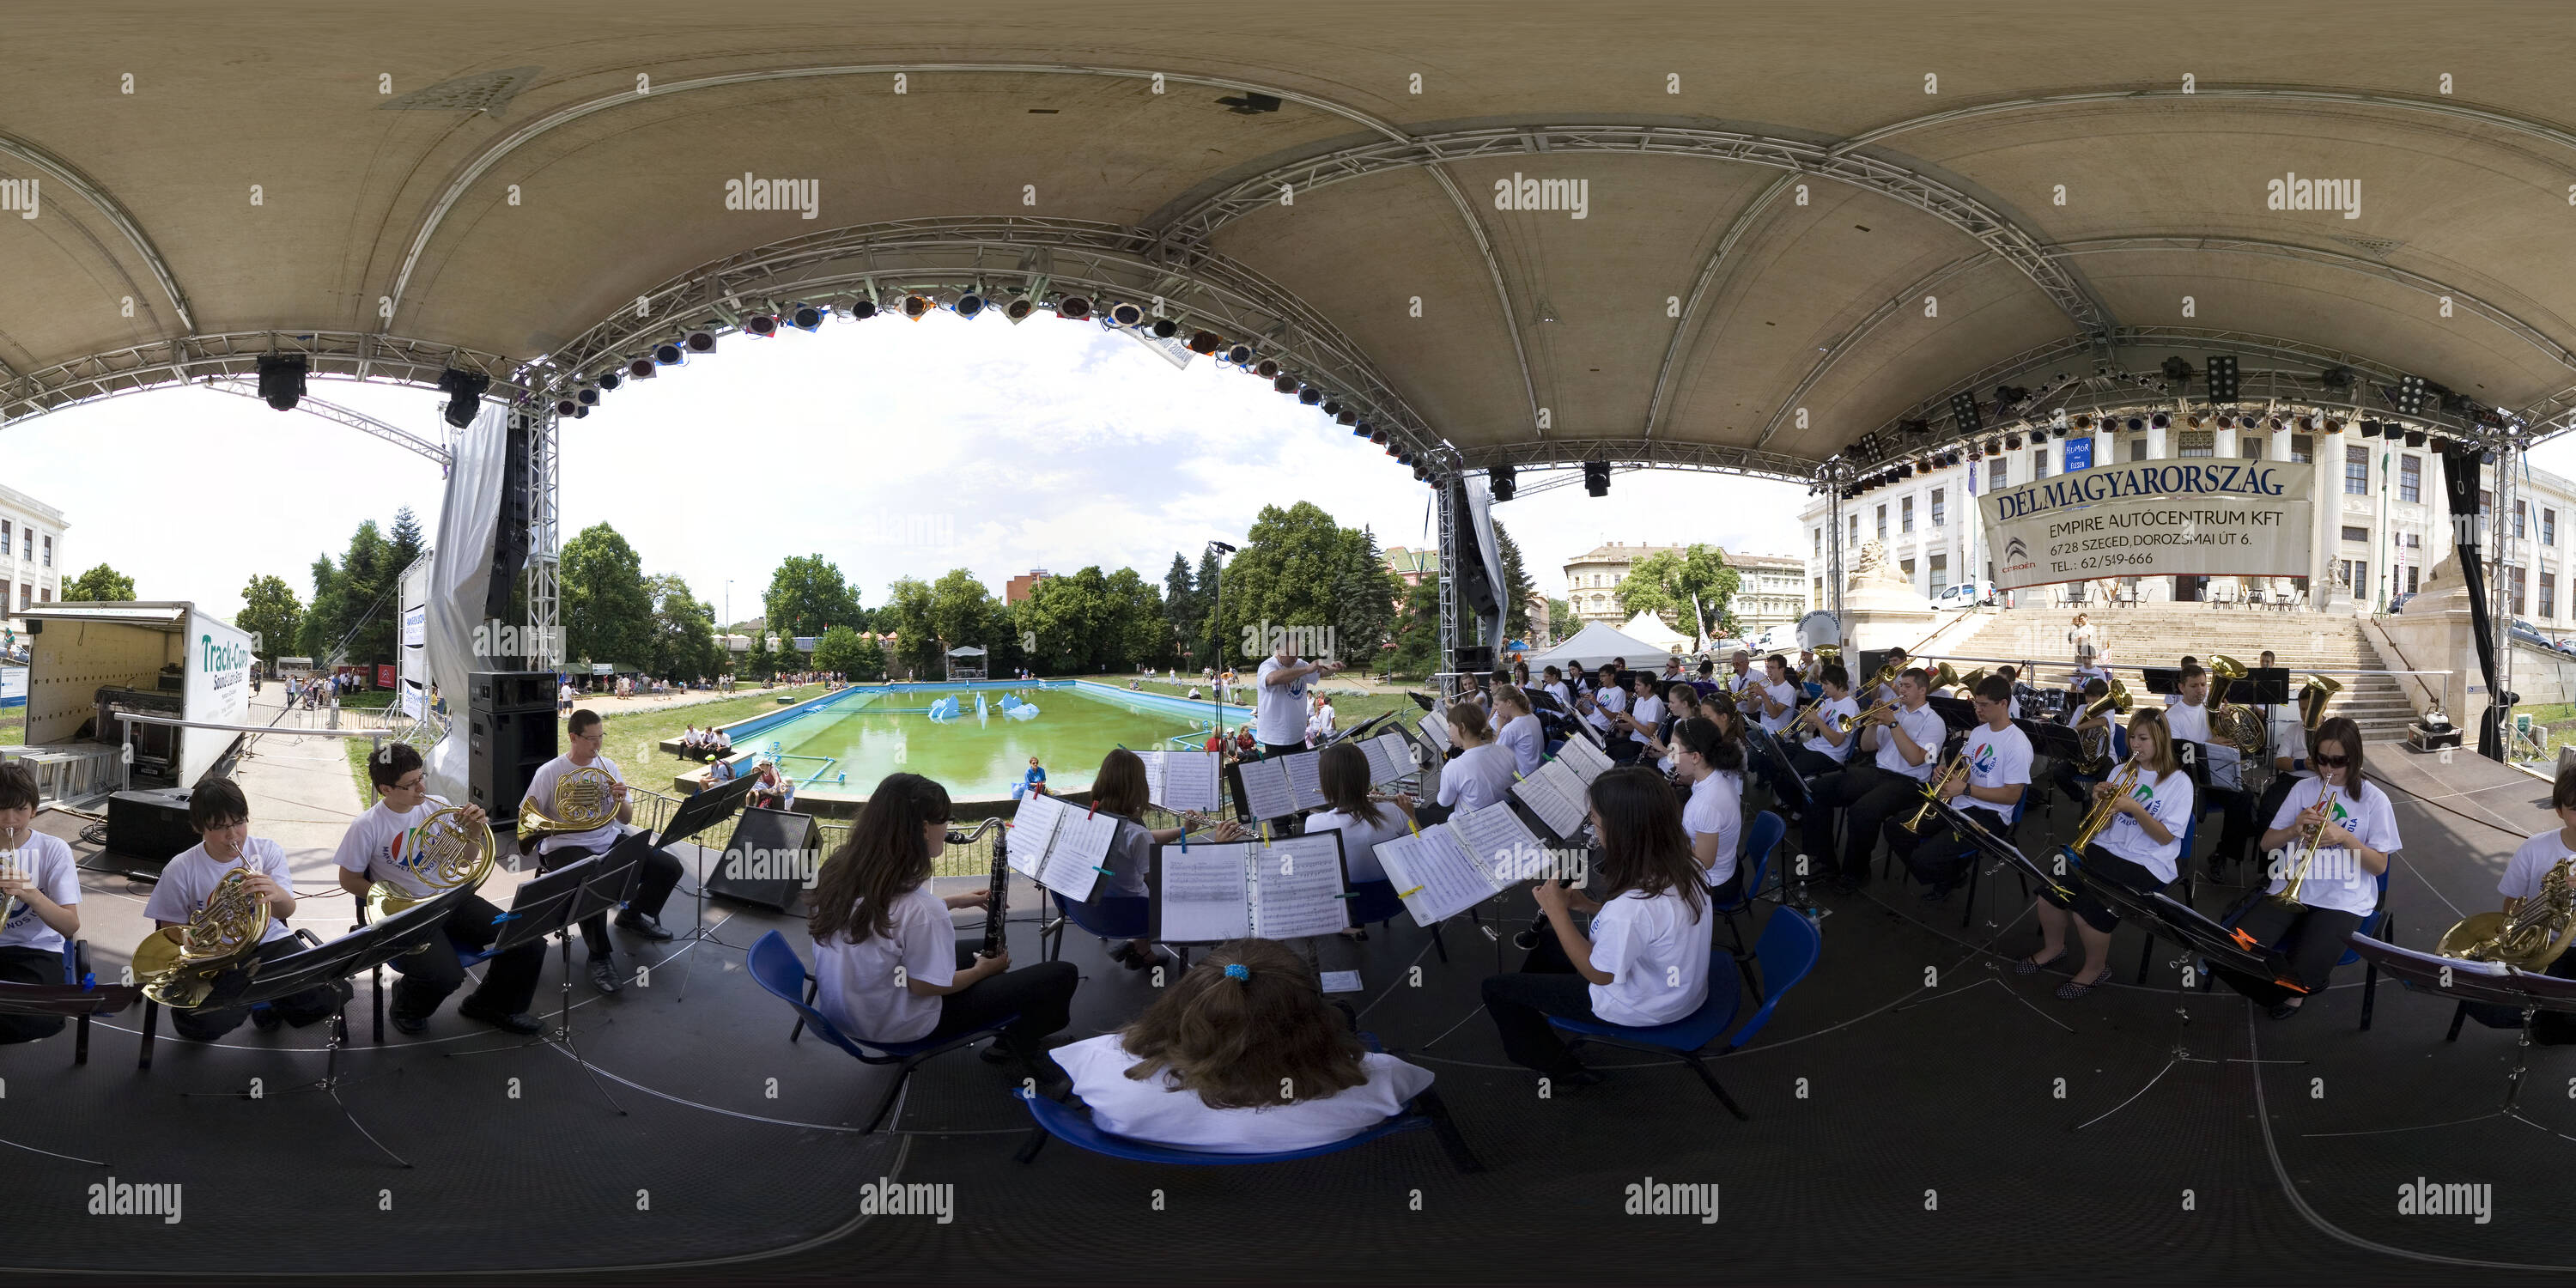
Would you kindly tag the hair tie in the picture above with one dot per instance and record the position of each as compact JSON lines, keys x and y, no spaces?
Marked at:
{"x":1237,"y":971}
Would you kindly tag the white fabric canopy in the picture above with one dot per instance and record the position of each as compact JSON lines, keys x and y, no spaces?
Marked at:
{"x":1596,"y":644}
{"x":1650,"y":628}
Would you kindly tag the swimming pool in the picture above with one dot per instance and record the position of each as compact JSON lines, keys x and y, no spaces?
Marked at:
{"x":845,"y":742}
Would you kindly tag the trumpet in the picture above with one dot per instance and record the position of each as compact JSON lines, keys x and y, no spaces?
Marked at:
{"x":585,"y":800}
{"x":445,"y":853}
{"x":2105,"y":808}
{"x":178,"y":965}
{"x":1955,"y":767}
{"x":1845,"y":724}
{"x":2288,"y":898}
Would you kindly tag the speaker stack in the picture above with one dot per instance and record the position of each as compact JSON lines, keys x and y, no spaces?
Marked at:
{"x":151,"y":826}
{"x":510,"y":735}
{"x":765,"y":862}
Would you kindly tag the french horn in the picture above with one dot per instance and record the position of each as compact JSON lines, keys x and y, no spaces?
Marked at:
{"x":178,"y":965}
{"x":585,"y":800}
{"x":446,"y":852}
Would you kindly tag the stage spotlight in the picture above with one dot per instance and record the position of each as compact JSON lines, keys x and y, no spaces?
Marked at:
{"x":2370,"y":429}
{"x":1267,"y":369}
{"x":2414,"y":438}
{"x":566,"y":407}
{"x":1286,"y":384}
{"x":760,"y":324}
{"x":806,"y":318}
{"x":2136,"y":423}
{"x":2333,"y":425}
{"x":1020,"y":309}
{"x":281,"y":379}
{"x":668,"y":354}
{"x":2307,"y":423}
{"x":2410,"y":396}
{"x":1420,"y":474}
{"x":1239,"y":354}
{"x":1332,"y":407}
{"x":1201,"y":341}
{"x":2161,"y":421}
{"x":917,"y":307}
{"x":1993,"y":447}
{"x":1073,"y":308}
{"x":863,"y":309}
{"x":1346,"y":417}
{"x":464,"y":390}
{"x":1124,"y":314}
{"x":969,"y":305}
{"x":2335,"y":377}
{"x":2084,"y":422}
{"x":1166,"y":328}
{"x":1596,"y":477}
{"x":2220,"y":378}
{"x":2178,"y":371}
{"x":1375,"y":435}
{"x":640,"y":369}
{"x":1905,"y":471}
{"x":580,"y":412}
{"x":609,"y":380}
{"x":585,"y":395}
{"x":1502,"y":480}
{"x":1963,"y":409}
{"x":1359,"y":428}
{"x":2012,"y":442}
{"x":1310,"y":395}
{"x":702,"y":342}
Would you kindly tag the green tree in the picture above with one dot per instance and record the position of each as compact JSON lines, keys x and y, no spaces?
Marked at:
{"x":353,"y":614}
{"x":406,"y":541}
{"x":684,"y":641}
{"x":270,"y":611}
{"x":907,"y":614}
{"x":607,"y":608}
{"x":1206,"y":634}
{"x":1516,"y":587}
{"x":1692,"y":587}
{"x":1284,"y":574}
{"x":1090,"y":621}
{"x":760,"y":663}
{"x":1560,"y":620}
{"x":1181,"y":608}
{"x":1417,"y":638}
{"x":101,"y":584}
{"x":871,"y":663}
{"x":838,"y":650}
{"x":808,"y":596}
{"x":1365,"y":597}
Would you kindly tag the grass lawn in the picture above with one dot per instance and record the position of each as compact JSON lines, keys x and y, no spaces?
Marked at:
{"x":13,"y":726}
{"x":633,"y":735}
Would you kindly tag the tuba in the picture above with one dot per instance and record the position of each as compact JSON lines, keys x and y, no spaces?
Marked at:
{"x":445,"y":854}
{"x":2097,"y":742}
{"x":178,"y":965}
{"x":2532,"y":937}
{"x":1942,"y":677}
{"x":2237,"y":726}
{"x":2313,"y":699}
{"x":585,"y":800}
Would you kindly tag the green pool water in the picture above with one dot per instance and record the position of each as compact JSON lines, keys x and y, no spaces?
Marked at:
{"x":869,"y":736}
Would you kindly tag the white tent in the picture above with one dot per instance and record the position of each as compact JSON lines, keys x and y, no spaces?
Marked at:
{"x":1650,"y":628}
{"x":1596,"y":644}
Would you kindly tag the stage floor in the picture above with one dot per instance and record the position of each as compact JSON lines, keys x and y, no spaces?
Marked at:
{"x":1908,"y":1123}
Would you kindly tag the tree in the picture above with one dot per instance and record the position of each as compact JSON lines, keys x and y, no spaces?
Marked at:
{"x":101,"y":584}
{"x":271,"y":613}
{"x":1181,"y":606}
{"x":838,"y":650}
{"x":353,"y":612}
{"x":1284,"y":574}
{"x":1516,"y":587}
{"x":907,"y":614}
{"x":1365,"y":596}
{"x":607,"y":608}
{"x":871,"y":660}
{"x":1417,"y":639}
{"x":807,"y":596}
{"x":1693,"y":586}
{"x":1091,"y":621}
{"x":407,"y":543}
{"x":1207,"y":646}
{"x":760,"y":663}
{"x":1560,"y":620}
{"x":683,"y":638}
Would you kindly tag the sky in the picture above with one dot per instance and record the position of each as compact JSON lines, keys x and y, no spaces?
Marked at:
{"x":890,"y":447}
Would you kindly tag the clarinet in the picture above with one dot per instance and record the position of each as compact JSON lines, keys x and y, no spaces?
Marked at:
{"x":997,"y":895}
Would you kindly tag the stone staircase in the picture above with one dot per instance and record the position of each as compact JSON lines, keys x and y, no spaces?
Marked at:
{"x":2159,"y":635}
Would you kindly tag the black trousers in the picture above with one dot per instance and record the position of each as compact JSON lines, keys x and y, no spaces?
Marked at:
{"x":1521,"y":1002}
{"x":1947,"y":855}
{"x":2078,"y":787}
{"x":428,"y":976}
{"x":2312,"y":938}
{"x":2237,"y":833}
{"x":41,"y":966}
{"x":2100,"y":863}
{"x":1042,"y":994}
{"x":653,"y":886}
{"x":1812,"y":765}
{"x":319,"y":1002}
{"x":1867,"y":795}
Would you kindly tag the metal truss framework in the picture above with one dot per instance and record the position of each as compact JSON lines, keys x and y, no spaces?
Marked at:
{"x":348,"y":355}
{"x":1654,"y":453}
{"x":545,"y":642}
{"x":1041,"y":258}
{"x":356,"y":420}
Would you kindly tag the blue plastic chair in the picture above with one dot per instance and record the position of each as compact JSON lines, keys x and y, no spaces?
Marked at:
{"x":776,"y":967}
{"x":1754,"y":862}
{"x":1074,"y":1127}
{"x":76,"y":974}
{"x":1788,"y":951}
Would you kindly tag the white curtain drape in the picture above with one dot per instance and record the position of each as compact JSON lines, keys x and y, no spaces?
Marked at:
{"x":460,"y":574}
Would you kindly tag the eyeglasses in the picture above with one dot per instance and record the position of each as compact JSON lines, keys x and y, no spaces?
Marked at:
{"x":2333,"y":762}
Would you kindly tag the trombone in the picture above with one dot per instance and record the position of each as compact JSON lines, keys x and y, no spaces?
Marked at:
{"x":1955,"y":767}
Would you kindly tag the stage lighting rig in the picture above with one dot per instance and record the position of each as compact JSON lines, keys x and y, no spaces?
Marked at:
{"x":2219,"y":378}
{"x":806,"y":318}
{"x":610,"y":379}
{"x":760,"y":324}
{"x":1238,"y":354}
{"x":1073,"y":308}
{"x":587,"y":396}
{"x":861,"y":310}
{"x":464,"y":390}
{"x":701,"y":341}
{"x":640,"y":369}
{"x":1332,"y":406}
{"x":1346,"y":417}
{"x":969,"y":305}
{"x":1200,"y":341}
{"x":2335,"y":377}
{"x":669,"y":354}
{"x":2409,"y":398}
{"x":917,"y":307}
{"x":1375,"y":435}
{"x":1310,"y":395}
{"x":1018,"y":311}
{"x":1963,"y":409}
{"x":281,"y":379}
{"x":1125,"y":314}
{"x":1502,"y":481}
{"x":1596,"y":478}
{"x":2178,"y":373}
{"x":1166,"y":328}
{"x":1267,"y":369}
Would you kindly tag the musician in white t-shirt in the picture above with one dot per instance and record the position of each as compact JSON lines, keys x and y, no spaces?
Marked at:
{"x":1520,"y":734}
{"x":1741,"y":678}
{"x":1776,"y":699}
{"x":1270,"y":1068}
{"x":1999,"y":758}
{"x":2141,"y":849}
{"x":39,"y":873}
{"x":1481,"y":775}
{"x":1909,"y":735}
{"x":220,"y":814}
{"x":1555,"y":684}
{"x":1826,"y":749}
{"x":2356,"y":830}
{"x":1280,"y":700}
{"x":2526,"y":878}
{"x":1713,"y":811}
{"x":584,"y":734}
{"x":2188,"y":717}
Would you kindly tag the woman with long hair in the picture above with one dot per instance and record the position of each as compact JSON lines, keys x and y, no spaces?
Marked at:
{"x":1645,"y":961}
{"x":2141,"y":849}
{"x":1482,"y":773}
{"x":2356,"y":830}
{"x":1120,"y":901}
{"x":1519,"y":733}
{"x":1362,"y":817}
{"x":1244,"y":1056}
{"x":887,"y":961}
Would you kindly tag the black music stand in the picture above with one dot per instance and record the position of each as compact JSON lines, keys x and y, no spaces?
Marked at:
{"x":2473,"y":981}
{"x":1957,"y":713}
{"x":2061,"y":744}
{"x":2164,"y":917}
{"x":695,"y":815}
{"x":1360,"y":730}
{"x":72,"y":1002}
{"x":1789,"y":787}
{"x":553,"y":904}
{"x":362,"y":949}
{"x":2262,"y":684}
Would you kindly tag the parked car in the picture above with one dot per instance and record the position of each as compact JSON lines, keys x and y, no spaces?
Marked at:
{"x":1967,"y":594}
{"x":2527,"y":633}
{"x":2398,"y":602}
{"x":1725,"y":648}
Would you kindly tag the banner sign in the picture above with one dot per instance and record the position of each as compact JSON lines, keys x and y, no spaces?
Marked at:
{"x":2210,"y":518}
{"x":384,"y":675}
{"x":2079,"y":454}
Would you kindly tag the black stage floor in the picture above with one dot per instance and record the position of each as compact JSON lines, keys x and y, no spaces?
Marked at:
{"x":1900,"y":1130}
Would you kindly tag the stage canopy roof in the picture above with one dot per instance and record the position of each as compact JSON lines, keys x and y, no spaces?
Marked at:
{"x":1766,"y":232}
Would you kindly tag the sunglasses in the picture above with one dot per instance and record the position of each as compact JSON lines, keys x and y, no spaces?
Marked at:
{"x":2333,"y":762}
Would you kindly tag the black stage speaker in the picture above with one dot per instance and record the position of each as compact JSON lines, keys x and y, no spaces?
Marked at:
{"x":504,"y":749}
{"x":498,"y":691}
{"x":152,"y":826}
{"x":766,"y":861}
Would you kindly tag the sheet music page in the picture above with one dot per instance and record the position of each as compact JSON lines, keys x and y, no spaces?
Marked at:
{"x":1305,"y":781}
{"x":1435,"y":731}
{"x":1342,"y":981}
{"x":1265,"y":789}
{"x":1499,"y":843}
{"x":1153,"y":774}
{"x":1081,"y":849}
{"x":1587,"y":761}
{"x":1297,"y":887}
{"x":1206,"y":894}
{"x":1188,"y":781}
{"x":1390,"y":757}
{"x":1033,"y":828}
{"x":1436,"y":872}
{"x":1557,"y":797}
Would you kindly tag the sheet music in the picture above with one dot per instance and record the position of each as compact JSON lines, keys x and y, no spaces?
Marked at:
{"x":1182,"y":780}
{"x":1033,"y":828}
{"x":1557,"y":796}
{"x":1265,"y":789}
{"x":1500,"y":845}
{"x":1072,"y":864}
{"x":1587,"y":761}
{"x":1342,"y":981}
{"x":1297,"y":887}
{"x":1206,"y":894}
{"x":1390,"y":757}
{"x":1305,"y":780}
{"x":1433,"y":868}
{"x":1435,"y":731}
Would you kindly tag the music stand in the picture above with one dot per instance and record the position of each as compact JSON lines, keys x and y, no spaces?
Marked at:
{"x":362,"y":949}
{"x":554,"y":903}
{"x":695,"y":815}
{"x":1957,"y":713}
{"x":70,"y":1001}
{"x":2161,"y":679}
{"x":2164,"y":917}
{"x":1788,"y":787}
{"x":2261,"y":685}
{"x":2464,"y":980}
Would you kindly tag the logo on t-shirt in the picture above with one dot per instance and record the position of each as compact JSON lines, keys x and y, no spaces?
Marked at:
{"x":1984,"y":763}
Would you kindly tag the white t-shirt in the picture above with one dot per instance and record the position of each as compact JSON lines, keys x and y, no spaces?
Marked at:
{"x":1996,"y":760}
{"x":1320,"y":724}
{"x":1842,"y":706}
{"x":44,"y":860}
{"x":541,"y":789}
{"x":1477,"y":778}
{"x":1563,"y":697}
{"x":1279,"y":708}
{"x":1744,"y":681}
{"x":2289,"y":731}
{"x":2521,"y":876}
{"x":1526,"y":742}
{"x":379,"y":844}
{"x":1716,"y":804}
{"x":1649,"y":711}
{"x":2167,"y":798}
{"x":2191,"y":724}
{"x":2336,"y":880}
{"x":1656,"y":955}
{"x":1786,"y":694}
{"x":1359,"y":839}
{"x":1155,"y":1108}
{"x":189,"y":878}
{"x":1611,"y":698}
{"x":1925,"y":727}
{"x":859,"y":992}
